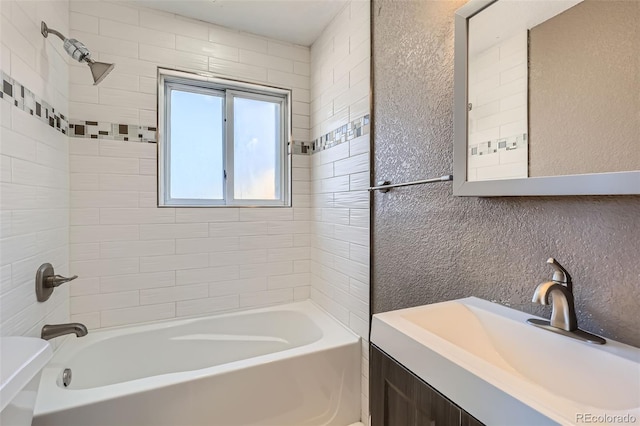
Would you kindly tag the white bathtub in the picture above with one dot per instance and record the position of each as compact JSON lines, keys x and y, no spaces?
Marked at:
{"x":285,"y":365}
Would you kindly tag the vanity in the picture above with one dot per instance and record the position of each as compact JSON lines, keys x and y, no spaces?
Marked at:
{"x":399,"y":397}
{"x":471,"y":362}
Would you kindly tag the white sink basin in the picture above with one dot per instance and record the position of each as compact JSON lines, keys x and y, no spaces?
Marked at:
{"x":486,"y":358}
{"x":21,"y":362}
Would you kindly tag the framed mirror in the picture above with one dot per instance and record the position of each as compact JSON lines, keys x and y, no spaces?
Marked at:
{"x":547,"y":98}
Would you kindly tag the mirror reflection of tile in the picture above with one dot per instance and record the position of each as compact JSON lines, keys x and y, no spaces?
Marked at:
{"x":498,"y":111}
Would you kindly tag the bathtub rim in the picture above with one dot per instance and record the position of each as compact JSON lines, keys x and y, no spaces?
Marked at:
{"x":53,"y":398}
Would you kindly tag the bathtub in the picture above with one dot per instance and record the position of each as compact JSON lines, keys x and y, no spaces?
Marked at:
{"x":284,"y":365}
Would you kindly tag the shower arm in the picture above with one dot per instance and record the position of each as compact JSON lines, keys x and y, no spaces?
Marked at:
{"x":45,"y":30}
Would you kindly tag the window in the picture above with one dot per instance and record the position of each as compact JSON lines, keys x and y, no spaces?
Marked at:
{"x":221,"y":143}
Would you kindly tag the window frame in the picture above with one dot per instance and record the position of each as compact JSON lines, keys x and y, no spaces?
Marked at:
{"x":169,"y":80}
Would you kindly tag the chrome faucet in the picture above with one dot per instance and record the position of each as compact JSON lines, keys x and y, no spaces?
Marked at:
{"x":563,"y":311}
{"x":51,"y":331}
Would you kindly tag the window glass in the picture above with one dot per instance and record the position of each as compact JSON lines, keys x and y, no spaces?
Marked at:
{"x":196,"y":152}
{"x":256,"y":127}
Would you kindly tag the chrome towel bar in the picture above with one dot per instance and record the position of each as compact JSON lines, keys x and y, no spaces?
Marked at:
{"x":385,"y":186}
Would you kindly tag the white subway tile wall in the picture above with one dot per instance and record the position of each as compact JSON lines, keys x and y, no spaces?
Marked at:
{"x":34,"y":197}
{"x":139,"y":40}
{"x":340,"y":76}
{"x":141,"y":262}
{"x":339,"y":217}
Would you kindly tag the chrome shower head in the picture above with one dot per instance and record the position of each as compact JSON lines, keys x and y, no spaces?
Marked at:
{"x":80,"y":53}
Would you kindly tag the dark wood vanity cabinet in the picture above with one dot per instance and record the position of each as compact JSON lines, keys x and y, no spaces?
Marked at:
{"x":467,"y":419}
{"x":400,"y":398}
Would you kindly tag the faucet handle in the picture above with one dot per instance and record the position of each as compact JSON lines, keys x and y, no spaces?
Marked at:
{"x":56,"y":280}
{"x":47,"y":280}
{"x":560,"y":275}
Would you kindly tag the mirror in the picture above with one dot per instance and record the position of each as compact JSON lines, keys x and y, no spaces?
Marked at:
{"x":547,"y":98}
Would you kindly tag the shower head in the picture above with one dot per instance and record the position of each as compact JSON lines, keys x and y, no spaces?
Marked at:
{"x":99,"y":70}
{"x":80,"y":53}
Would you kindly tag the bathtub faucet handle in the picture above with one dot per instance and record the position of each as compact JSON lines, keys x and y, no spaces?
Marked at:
{"x":47,"y":280}
{"x":56,"y":280}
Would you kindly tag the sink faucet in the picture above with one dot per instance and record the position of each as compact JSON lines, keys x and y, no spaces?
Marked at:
{"x":563,"y":311}
{"x":51,"y":331}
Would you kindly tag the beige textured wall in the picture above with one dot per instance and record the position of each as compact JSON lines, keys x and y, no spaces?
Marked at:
{"x":584,"y":90}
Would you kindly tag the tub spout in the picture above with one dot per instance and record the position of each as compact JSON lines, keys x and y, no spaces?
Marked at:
{"x":51,"y":331}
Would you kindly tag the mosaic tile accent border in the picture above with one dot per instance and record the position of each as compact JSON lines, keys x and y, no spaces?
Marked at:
{"x":112,"y":131}
{"x":131,"y":133}
{"x":342,"y":134}
{"x":21,"y":97}
{"x":497,"y":145}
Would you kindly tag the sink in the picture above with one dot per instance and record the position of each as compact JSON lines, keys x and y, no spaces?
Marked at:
{"x":22,"y":360}
{"x":470,"y":347}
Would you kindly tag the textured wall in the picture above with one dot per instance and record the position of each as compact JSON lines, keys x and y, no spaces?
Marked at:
{"x":429,"y":247}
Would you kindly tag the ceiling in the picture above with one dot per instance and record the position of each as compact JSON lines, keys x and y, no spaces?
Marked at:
{"x":295,"y":21}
